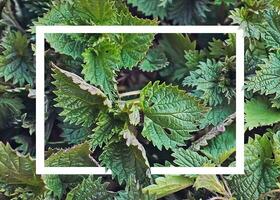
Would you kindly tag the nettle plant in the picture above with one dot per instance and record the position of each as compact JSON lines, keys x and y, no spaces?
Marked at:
{"x":132,"y":101}
{"x":119,"y":126}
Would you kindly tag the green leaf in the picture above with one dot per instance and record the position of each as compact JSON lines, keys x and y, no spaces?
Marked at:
{"x":131,"y":140}
{"x":189,"y":158}
{"x":124,"y":161}
{"x":276,"y":147}
{"x":170,"y":115}
{"x":107,"y":126}
{"x":168,"y":185}
{"x":249,"y":21}
{"x":133,"y":48}
{"x":16,"y":169}
{"x":188,"y":12}
{"x":217,"y":115}
{"x":133,"y":191}
{"x":150,"y":8}
{"x":154,"y":61}
{"x":100,"y":63}
{"x":10,"y":107}
{"x":258,"y":112}
{"x":54,"y":184}
{"x":213,"y":79}
{"x":211,"y":183}
{"x":221,"y":147}
{"x":81,"y":102}
{"x":272,"y":29}
{"x":63,"y":43}
{"x":76,"y":156}
{"x":90,"y":188}
{"x":261,"y":172}
{"x":73,"y":134}
{"x":102,"y":12}
{"x":174,"y":47}
{"x":267,"y":79}
{"x":193,"y":57}
{"x":16,"y":59}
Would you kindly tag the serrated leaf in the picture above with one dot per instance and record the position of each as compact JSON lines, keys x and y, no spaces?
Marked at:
{"x":154,"y":60}
{"x":213,"y":80}
{"x":188,"y":11}
{"x":221,"y":147}
{"x":174,"y":46}
{"x":189,"y":158}
{"x":217,"y":115}
{"x":10,"y":107}
{"x":133,"y":48}
{"x":150,"y":8}
{"x":124,"y":161}
{"x":248,"y":21}
{"x":102,"y":12}
{"x":131,"y":140}
{"x":170,"y":115}
{"x":258,"y":112}
{"x":16,"y":59}
{"x":63,"y":43}
{"x":100,"y":63}
{"x":16,"y":169}
{"x":193,"y":57}
{"x":76,"y":156}
{"x":73,"y":134}
{"x":211,"y":183}
{"x":134,"y":115}
{"x":80,"y":101}
{"x":276,"y":147}
{"x":267,"y":79}
{"x":261,"y":172}
{"x":54,"y":184}
{"x":168,"y":185}
{"x":106,"y":127}
{"x":91,"y":188}
{"x":133,"y":191}
{"x":272,"y":29}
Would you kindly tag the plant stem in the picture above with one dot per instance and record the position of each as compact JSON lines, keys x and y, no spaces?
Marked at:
{"x":132,"y":93}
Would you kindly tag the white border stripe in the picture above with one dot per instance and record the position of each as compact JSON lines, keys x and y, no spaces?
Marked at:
{"x":40,"y":81}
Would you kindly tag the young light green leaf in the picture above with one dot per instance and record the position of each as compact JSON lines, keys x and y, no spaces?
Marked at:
{"x":211,"y":183}
{"x":170,"y":115}
{"x":80,"y":101}
{"x":258,"y":112}
{"x":168,"y":185}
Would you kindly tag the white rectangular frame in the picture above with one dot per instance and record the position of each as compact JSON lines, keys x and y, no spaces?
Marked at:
{"x":40,"y":96}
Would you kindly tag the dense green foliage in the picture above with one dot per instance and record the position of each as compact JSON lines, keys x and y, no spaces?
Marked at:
{"x":128,"y":102}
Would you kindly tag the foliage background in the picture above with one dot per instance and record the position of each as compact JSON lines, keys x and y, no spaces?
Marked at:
{"x":260,"y":20}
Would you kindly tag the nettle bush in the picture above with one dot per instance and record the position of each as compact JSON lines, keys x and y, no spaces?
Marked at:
{"x":132,"y":101}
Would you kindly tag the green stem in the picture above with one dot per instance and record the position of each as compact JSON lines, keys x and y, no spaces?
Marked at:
{"x":132,"y":93}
